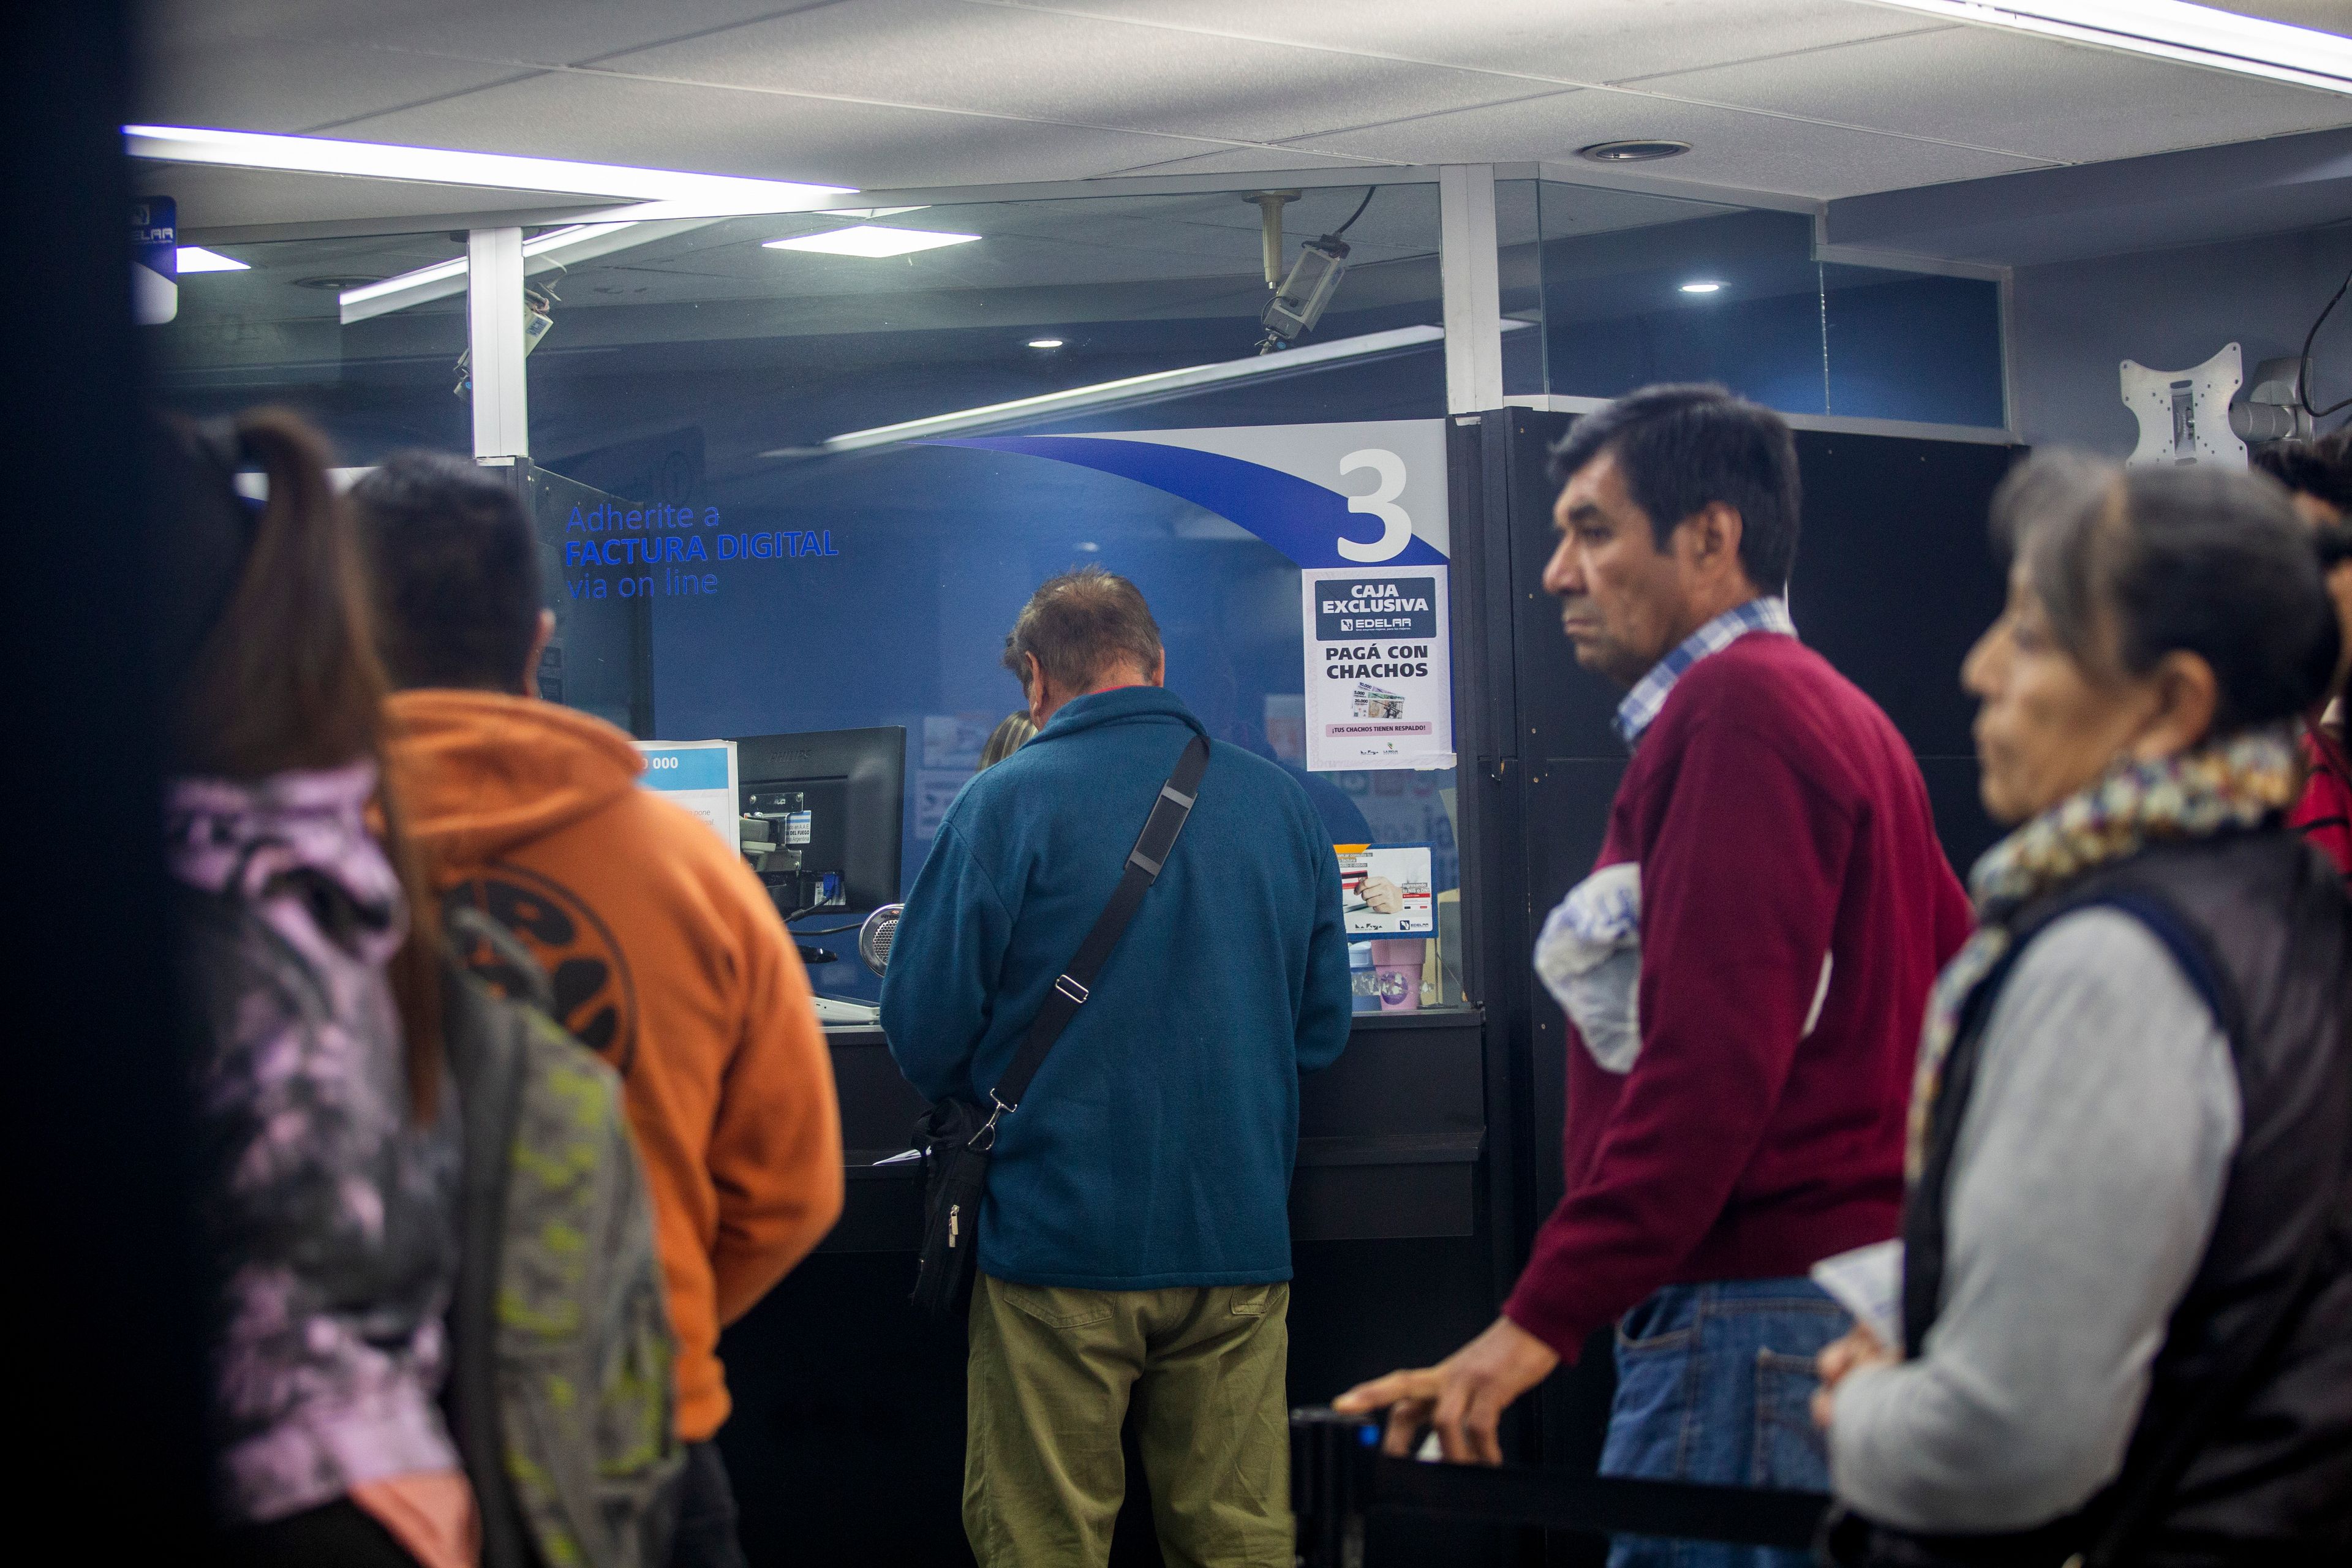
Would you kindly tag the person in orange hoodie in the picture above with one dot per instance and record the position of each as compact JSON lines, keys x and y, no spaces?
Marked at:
{"x":667,"y":955}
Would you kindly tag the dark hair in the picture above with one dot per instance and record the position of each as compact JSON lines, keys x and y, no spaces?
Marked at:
{"x":2320,"y":467}
{"x":1009,"y":736}
{"x":1078,"y":626}
{"x":271,"y":611}
{"x":2133,"y":563}
{"x":1681,"y":448}
{"x":456,"y":568}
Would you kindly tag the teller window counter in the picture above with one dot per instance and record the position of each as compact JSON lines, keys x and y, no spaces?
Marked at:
{"x":1390,"y":1136}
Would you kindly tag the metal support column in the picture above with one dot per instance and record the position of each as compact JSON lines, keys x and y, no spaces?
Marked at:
{"x":494,"y":325}
{"x":1474,"y":295}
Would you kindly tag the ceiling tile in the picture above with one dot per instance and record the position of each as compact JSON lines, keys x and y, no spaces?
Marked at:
{"x":2034,"y":97}
{"x":1070,"y":70}
{"x":621,"y":120}
{"x":2321,"y":16}
{"x":1255,"y":159}
{"x":1748,"y":151}
{"x":1579,"y":41}
{"x":553,"y":31}
{"x":242,"y":84}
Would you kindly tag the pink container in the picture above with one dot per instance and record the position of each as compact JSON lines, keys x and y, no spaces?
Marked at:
{"x":1397,"y":963}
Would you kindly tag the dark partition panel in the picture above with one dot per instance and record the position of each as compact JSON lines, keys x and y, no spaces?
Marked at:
{"x":1895,"y":579}
{"x":601,"y":658}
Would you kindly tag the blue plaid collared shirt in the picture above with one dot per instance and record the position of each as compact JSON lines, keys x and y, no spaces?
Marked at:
{"x":1639,"y":708}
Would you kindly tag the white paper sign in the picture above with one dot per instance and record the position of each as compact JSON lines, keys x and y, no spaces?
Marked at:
{"x":1380,"y":682}
{"x":701,"y":776}
{"x":1386,"y":891}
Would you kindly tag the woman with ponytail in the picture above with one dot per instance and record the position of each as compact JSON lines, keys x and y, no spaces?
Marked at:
{"x":2125,"y":1315}
{"x":329,"y":1141}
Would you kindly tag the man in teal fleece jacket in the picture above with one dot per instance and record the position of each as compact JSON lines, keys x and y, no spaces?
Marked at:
{"x":1135,"y":1243}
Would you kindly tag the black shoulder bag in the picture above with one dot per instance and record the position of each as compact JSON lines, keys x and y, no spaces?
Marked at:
{"x":956,"y":1136}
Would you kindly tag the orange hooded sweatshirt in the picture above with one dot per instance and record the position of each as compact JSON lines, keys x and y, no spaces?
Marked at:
{"x":668,"y":959}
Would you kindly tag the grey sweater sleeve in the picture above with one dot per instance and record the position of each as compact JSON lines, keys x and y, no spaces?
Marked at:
{"x":2088,"y":1171}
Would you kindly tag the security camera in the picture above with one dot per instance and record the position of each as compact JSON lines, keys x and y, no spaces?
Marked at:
{"x":539,"y":315}
{"x":2273,"y":409}
{"x":1298,"y":304}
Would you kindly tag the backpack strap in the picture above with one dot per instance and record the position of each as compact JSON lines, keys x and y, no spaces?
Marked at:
{"x":1075,"y":985}
{"x":518,"y":973}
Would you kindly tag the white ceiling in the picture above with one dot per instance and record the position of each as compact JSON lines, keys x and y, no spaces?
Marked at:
{"x":1814,"y":99}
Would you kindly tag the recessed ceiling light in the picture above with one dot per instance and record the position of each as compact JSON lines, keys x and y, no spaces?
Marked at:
{"x":196,"y":258}
{"x":1044,"y":343}
{"x":2171,"y":30}
{"x":668,"y":193}
{"x":1631,"y":152}
{"x":1703,"y":286}
{"x":871,"y":240}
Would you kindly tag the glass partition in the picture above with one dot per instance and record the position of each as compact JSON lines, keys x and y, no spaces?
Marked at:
{"x":1631,"y":289}
{"x":801,"y":583}
{"x":273,"y":331}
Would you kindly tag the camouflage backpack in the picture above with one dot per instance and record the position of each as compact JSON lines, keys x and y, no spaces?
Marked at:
{"x":560,"y":1392}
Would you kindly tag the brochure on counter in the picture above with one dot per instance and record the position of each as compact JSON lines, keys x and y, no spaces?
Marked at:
{"x":1386,"y":890}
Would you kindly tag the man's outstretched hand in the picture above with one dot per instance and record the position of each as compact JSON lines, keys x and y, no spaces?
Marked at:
{"x":1461,"y":1397}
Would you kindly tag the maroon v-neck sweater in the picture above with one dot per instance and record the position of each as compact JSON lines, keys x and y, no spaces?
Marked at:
{"x":1777,"y":816}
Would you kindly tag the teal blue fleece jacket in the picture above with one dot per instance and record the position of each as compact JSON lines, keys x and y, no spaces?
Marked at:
{"x":1154,"y":1147}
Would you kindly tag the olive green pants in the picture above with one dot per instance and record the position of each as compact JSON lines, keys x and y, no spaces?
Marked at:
{"x":1054,"y":1373}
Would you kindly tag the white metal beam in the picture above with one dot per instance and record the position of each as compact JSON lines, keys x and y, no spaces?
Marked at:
{"x":494,"y":337}
{"x":1469,"y":264}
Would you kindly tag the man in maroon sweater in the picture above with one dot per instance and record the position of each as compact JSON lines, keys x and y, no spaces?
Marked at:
{"x":1744,"y":973}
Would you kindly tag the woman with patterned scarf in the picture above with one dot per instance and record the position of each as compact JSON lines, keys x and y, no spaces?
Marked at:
{"x":2125,"y":1312}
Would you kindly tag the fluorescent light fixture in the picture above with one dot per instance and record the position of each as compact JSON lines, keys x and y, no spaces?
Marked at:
{"x":575,"y":243}
{"x":1128,"y":389}
{"x":1044,"y":343}
{"x":871,"y":240}
{"x":666,"y":192}
{"x":196,"y":258}
{"x":2170,"y":30}
{"x":1704,"y":286}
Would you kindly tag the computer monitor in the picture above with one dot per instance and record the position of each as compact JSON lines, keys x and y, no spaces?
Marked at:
{"x":830,"y":803}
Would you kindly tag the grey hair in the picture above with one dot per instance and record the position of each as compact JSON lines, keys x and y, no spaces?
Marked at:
{"x":2132,"y":564}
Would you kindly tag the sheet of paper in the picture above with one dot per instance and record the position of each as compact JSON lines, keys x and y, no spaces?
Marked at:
{"x":1868,"y":1282}
{"x":1380,"y":684}
{"x":701,"y":776}
{"x":1385,"y":891}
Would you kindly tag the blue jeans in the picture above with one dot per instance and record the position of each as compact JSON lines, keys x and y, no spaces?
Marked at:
{"x":1715,"y":1383}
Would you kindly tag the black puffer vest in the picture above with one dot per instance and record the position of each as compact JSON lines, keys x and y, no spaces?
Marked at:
{"x":2261,"y":928}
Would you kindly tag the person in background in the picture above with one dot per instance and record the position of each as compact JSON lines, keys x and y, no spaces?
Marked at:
{"x":331,"y":1142}
{"x":2318,"y":478}
{"x":1743,"y":971}
{"x":667,"y":956}
{"x":2126,"y":1243}
{"x":1014,"y":732}
{"x":1135,"y":1243}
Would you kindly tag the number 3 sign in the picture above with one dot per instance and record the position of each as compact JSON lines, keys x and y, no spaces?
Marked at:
{"x":1396,"y":528}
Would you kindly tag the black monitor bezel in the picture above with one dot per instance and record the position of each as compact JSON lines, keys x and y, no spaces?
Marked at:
{"x":873,"y":762}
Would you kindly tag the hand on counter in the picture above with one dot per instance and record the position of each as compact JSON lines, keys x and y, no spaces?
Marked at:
{"x":1462,"y":1398}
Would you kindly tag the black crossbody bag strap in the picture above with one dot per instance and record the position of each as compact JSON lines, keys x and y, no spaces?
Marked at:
{"x":1069,"y":992}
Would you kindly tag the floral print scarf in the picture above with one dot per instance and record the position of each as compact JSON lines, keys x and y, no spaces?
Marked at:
{"x":2239,"y":783}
